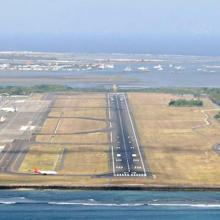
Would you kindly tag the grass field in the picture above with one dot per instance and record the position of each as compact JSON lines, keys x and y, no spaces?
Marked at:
{"x":71,"y":125}
{"x":178,"y":141}
{"x":80,"y":102}
{"x":42,"y":157}
{"x":74,"y":119}
{"x":86,"y":160}
{"x":68,"y":159}
{"x":79,"y":112}
{"x":92,"y":138}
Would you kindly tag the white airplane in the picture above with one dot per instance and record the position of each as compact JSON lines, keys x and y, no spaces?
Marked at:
{"x":2,"y":119}
{"x":8,"y":109}
{"x":44,"y":172}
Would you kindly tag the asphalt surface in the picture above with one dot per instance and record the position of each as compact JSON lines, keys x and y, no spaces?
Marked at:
{"x":12,"y":156}
{"x":29,"y":113}
{"x":127,"y":157}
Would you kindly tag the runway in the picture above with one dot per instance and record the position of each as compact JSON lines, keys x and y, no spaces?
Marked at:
{"x":127,"y":157}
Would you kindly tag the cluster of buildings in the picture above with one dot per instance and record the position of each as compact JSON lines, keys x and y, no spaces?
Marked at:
{"x":53,"y":66}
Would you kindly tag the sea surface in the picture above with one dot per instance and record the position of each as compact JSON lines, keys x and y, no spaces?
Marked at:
{"x":179,"y":71}
{"x":121,"y":205}
{"x":164,"y":71}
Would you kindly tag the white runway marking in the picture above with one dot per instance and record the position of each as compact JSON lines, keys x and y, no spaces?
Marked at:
{"x":2,"y":148}
{"x":57,"y":127}
{"x":109,"y":109}
{"x":113,"y":161}
{"x":123,"y":136}
{"x":111,"y":136}
{"x":59,"y":157}
{"x":127,"y":144}
{"x":135,"y":135}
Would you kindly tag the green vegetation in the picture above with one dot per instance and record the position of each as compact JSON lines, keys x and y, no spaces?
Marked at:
{"x":19,"y":90}
{"x":212,"y":93}
{"x":217,"y":116}
{"x":194,"y":91}
{"x":186,"y":103}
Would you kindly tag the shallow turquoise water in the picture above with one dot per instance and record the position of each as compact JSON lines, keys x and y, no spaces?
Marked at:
{"x":121,"y":205}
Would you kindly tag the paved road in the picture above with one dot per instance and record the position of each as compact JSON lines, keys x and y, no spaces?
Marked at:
{"x":12,"y":156}
{"x":127,"y":158}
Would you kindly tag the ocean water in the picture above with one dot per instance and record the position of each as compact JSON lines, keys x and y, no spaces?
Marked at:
{"x":122,"y":205}
{"x":175,"y":71}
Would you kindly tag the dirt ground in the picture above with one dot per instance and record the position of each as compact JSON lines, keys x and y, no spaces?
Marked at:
{"x":177,"y":141}
{"x":73,"y":139}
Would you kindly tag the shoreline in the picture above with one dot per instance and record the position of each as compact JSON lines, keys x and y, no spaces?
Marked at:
{"x":109,"y":188}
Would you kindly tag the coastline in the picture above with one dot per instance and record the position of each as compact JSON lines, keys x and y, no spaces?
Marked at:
{"x":98,"y":184}
{"x":109,"y":188}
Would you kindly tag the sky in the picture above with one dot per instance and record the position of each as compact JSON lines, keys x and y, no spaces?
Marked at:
{"x":133,"y":26}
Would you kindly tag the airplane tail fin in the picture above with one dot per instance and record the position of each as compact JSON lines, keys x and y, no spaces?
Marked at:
{"x":36,"y":171}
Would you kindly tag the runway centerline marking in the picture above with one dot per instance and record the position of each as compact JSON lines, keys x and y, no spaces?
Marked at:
{"x":123,"y":136}
{"x":127,"y":158}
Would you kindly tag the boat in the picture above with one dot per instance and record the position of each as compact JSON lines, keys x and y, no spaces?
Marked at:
{"x":127,"y":69}
{"x":143,"y":69}
{"x":158,"y":67}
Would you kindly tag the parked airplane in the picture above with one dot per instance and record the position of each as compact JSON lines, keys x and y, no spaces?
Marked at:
{"x":44,"y":172}
{"x":2,"y":119}
{"x":8,"y":109}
